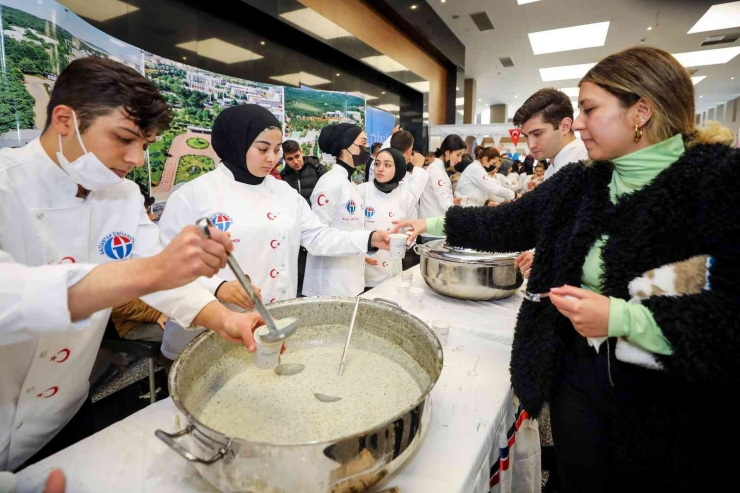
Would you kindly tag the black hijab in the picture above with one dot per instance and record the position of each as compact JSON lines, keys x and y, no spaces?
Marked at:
{"x":333,"y":139}
{"x":464,"y":163}
{"x":234,"y":131}
{"x":400,"y":163}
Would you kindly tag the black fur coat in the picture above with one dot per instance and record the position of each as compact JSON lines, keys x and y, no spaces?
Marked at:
{"x":677,"y":429}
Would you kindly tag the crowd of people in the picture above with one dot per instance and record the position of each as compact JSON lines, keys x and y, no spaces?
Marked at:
{"x":628,"y":362}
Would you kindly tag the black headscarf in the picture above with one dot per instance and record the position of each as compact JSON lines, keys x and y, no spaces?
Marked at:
{"x":335,"y":138}
{"x":529,"y":164}
{"x":464,"y":163}
{"x":234,"y":131}
{"x":400,"y":163}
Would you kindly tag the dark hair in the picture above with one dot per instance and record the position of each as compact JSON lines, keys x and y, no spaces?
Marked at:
{"x":451,"y":143}
{"x":477,"y":151}
{"x":376,"y":147}
{"x":291,"y":147}
{"x":402,"y":140}
{"x":552,"y":105}
{"x":539,"y":165}
{"x":489,"y":153}
{"x":94,"y":87}
{"x":430,"y":154}
{"x":409,"y":168}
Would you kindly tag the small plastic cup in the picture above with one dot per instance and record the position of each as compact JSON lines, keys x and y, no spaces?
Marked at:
{"x":403,"y":291}
{"x":442,"y":329}
{"x":464,"y":200}
{"x":398,"y":245}
{"x":416,"y":297}
{"x":267,"y":356}
{"x":8,"y":482}
{"x":407,"y":276}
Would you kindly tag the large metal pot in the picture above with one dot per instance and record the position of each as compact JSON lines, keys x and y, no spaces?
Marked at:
{"x":348,"y":464}
{"x":468,"y":274}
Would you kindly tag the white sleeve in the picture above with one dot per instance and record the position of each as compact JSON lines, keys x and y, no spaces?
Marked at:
{"x":321,"y":240}
{"x":180,"y":304}
{"x":36,"y":298}
{"x":409,"y":205}
{"x":443,"y":193}
{"x":417,"y":183}
{"x":491,"y":187}
{"x":330,"y":191}
{"x":177,"y":214}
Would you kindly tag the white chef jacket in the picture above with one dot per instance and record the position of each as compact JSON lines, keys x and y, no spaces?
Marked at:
{"x":437,"y":196}
{"x":268,"y":224}
{"x":415,"y":183}
{"x":45,"y":366}
{"x":571,"y":153}
{"x":381,"y":209}
{"x":337,"y":203}
{"x":477,"y":184}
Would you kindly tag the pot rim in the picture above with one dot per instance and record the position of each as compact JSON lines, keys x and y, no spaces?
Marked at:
{"x":440,"y":250}
{"x":227,"y":439}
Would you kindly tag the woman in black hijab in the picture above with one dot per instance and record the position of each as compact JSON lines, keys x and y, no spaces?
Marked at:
{"x":338,"y":203}
{"x":267,"y":219}
{"x":385,"y":201}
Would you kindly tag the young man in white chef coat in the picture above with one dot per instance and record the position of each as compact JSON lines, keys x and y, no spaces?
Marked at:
{"x":546,"y":120}
{"x":63,"y":203}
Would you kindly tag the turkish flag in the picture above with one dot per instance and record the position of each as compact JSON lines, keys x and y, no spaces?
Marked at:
{"x":515,"y":133}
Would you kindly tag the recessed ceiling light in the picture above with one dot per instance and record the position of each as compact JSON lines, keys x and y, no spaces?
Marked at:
{"x":516,"y":97}
{"x":457,"y":88}
{"x":422,"y":86}
{"x":339,"y":75}
{"x":698,"y":79}
{"x":650,"y":28}
{"x":425,"y":115}
{"x":571,"y":92}
{"x":701,"y":96}
{"x":413,"y":7}
{"x":569,"y":38}
{"x":565,"y":72}
{"x":384,"y":63}
{"x":101,"y":10}
{"x":262,"y":43}
{"x":721,"y":16}
{"x":184,"y":58}
{"x":301,"y":78}
{"x":316,"y":24}
{"x":382,"y":92}
{"x":480,"y":100}
{"x":707,"y":57}
{"x":218,"y":49}
{"x":522,"y":2}
{"x":459,"y":101}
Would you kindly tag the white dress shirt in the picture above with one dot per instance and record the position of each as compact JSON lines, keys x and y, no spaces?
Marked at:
{"x":572,"y":153}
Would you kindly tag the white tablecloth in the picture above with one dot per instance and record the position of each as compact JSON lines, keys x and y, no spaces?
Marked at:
{"x":478,"y":440}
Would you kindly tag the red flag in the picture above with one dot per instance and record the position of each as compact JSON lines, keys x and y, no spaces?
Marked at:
{"x":515,"y":133}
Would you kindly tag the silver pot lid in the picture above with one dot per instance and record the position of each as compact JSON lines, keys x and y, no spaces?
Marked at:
{"x":441,"y":250}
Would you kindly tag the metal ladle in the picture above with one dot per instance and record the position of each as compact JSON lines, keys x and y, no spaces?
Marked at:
{"x":275,"y":335}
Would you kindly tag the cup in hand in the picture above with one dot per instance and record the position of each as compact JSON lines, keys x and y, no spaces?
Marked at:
{"x":267,"y":356}
{"x":398,"y":245}
{"x":464,"y":200}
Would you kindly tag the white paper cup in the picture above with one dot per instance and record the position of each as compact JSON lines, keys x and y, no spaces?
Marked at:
{"x":407,"y":276}
{"x":416,"y":297}
{"x":267,"y":356}
{"x":398,"y":245}
{"x":442,"y":329}
{"x":464,"y":200}
{"x":403,"y":291}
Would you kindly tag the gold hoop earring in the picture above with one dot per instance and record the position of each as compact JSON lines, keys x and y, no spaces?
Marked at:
{"x":638,"y":132}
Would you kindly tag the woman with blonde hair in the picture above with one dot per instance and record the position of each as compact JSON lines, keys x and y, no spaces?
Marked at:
{"x":636,"y":344}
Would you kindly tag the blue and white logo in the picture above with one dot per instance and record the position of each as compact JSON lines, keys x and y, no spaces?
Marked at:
{"x":351,"y":206}
{"x":369,"y":212}
{"x":117,"y":246}
{"x":221,"y":221}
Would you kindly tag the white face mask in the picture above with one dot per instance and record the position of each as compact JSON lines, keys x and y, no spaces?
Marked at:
{"x":87,"y":170}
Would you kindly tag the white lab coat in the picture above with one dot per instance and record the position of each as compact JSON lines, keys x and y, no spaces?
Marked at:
{"x":45,"y":366}
{"x":415,"y":183}
{"x":381,"y":209}
{"x":512,"y":181}
{"x":268,"y":224}
{"x":437,"y":196}
{"x":572,"y":153}
{"x":477,"y":184}
{"x":338,"y":204}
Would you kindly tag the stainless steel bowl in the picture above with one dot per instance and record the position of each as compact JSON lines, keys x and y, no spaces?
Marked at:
{"x":468,"y":274}
{"x":348,"y":464}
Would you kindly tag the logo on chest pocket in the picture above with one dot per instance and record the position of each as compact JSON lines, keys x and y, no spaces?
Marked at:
{"x":351,"y":207}
{"x":117,"y":246}
{"x":369,"y":212}
{"x":222,"y":221}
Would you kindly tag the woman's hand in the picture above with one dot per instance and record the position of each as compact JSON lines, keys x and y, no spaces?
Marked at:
{"x":233,"y":292}
{"x":588,"y":311}
{"x":457,"y":201}
{"x":371,"y":261}
{"x":524,"y":263}
{"x":381,"y":240}
{"x":162,"y":320}
{"x":414,"y":227}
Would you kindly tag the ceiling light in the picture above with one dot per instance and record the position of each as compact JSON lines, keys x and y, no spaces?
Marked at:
{"x":218,"y":49}
{"x":309,"y":20}
{"x":707,"y":57}
{"x":522,"y":2}
{"x":301,"y":78}
{"x":184,"y":58}
{"x":569,"y":38}
{"x":565,"y":72}
{"x":339,"y":75}
{"x":384,"y":63}
{"x":101,"y":10}
{"x":459,"y":101}
{"x":262,"y":43}
{"x":721,"y":16}
{"x":480,"y":100}
{"x":413,"y":7}
{"x":701,"y":96}
{"x":650,"y":28}
{"x":516,"y":97}
{"x":571,"y":92}
{"x":698,"y":79}
{"x":425,"y":115}
{"x":389,"y":107}
{"x":382,"y":92}
{"x":422,"y":86}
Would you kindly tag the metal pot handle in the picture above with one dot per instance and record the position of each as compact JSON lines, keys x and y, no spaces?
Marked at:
{"x":387,"y":302}
{"x":169,"y":440}
{"x":416,"y":248}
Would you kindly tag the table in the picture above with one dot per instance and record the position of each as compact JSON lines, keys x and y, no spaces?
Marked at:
{"x":479,"y":439}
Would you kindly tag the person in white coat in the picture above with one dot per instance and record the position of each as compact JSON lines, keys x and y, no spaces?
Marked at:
{"x":385,"y":201}
{"x":509,"y":177}
{"x":478,"y":185}
{"x":267,"y":219}
{"x":437,"y":196}
{"x":64,"y":201}
{"x":338,"y":203}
